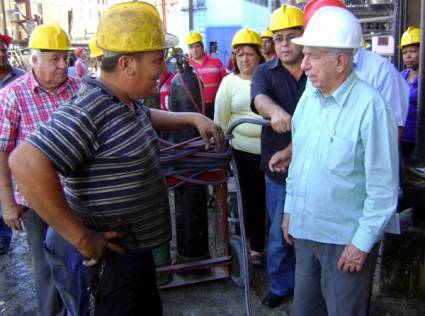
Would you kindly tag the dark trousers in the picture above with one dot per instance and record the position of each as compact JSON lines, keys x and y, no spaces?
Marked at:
{"x":48,"y":299}
{"x":252,"y":185}
{"x":127,"y":285}
{"x":5,"y":231}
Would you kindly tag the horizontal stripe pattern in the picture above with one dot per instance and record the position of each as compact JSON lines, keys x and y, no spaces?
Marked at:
{"x":109,"y":157}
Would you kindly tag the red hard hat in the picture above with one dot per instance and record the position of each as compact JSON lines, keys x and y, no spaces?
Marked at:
{"x":78,"y":51}
{"x":315,"y":5}
{"x":6,"y":39}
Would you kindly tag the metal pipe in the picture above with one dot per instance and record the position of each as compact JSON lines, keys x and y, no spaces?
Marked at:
{"x":376,"y":19}
{"x":420,"y":130}
{"x":164,"y":15}
{"x":190,"y":15}
{"x":3,"y":12}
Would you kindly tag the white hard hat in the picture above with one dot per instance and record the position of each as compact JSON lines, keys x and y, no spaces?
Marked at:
{"x":332,"y":27}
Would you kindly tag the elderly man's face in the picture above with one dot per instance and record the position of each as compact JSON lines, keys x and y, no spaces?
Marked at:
{"x":320,"y":67}
{"x":51,"y":68}
{"x":288,"y":52}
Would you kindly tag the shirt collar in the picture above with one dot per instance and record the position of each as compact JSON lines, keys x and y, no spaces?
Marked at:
{"x":339,"y":96}
{"x":97,"y":83}
{"x":274,"y":63}
{"x":34,"y":85}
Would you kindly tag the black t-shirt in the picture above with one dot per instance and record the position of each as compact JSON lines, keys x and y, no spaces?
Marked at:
{"x":274,"y":80}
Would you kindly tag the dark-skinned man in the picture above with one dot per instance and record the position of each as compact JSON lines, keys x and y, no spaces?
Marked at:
{"x":114,"y":207}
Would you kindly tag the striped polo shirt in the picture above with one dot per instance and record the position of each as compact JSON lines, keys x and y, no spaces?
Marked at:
{"x":109,"y":156}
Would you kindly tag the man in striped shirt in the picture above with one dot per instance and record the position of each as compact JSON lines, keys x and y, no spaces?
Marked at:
{"x":104,"y":143}
{"x":26,"y":103}
{"x":210,"y":69}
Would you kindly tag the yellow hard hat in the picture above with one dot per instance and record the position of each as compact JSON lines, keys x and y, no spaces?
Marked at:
{"x":246,"y":36}
{"x":411,"y":36}
{"x":366,"y":45}
{"x":267,"y":33}
{"x":49,"y":37}
{"x":94,"y":50}
{"x":130,"y":27}
{"x":286,"y":17}
{"x":193,"y":37}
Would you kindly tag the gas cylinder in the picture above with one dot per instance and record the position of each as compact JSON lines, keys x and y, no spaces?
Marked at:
{"x":185,"y":96}
{"x":190,"y":200}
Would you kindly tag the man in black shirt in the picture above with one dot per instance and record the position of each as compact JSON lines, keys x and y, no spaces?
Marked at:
{"x":276,"y":88}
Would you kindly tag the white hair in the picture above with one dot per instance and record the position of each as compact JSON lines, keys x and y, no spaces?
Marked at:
{"x":35,"y":53}
{"x":349,"y":52}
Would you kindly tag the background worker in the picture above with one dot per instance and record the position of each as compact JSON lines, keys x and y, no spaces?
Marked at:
{"x":410,"y":45}
{"x":96,"y":54}
{"x":7,"y":75}
{"x":81,"y":62}
{"x":374,"y":69}
{"x":114,"y":207}
{"x":26,"y":103}
{"x":342,"y":184}
{"x":277,"y":86}
{"x":210,"y":69}
{"x":267,"y":45}
{"x":232,"y":102}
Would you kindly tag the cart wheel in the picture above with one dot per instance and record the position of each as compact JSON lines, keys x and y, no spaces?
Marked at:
{"x":236,"y":268}
{"x":233,"y":214}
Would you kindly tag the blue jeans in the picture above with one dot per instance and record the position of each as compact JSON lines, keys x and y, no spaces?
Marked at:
{"x":5,"y":231}
{"x":71,"y":278}
{"x":127,"y":286}
{"x":280,"y":255}
{"x":48,"y":299}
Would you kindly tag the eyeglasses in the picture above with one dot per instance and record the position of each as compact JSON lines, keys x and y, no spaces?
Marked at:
{"x":280,"y":38}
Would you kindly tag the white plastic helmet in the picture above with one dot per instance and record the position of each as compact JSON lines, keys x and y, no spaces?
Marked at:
{"x":332,"y":27}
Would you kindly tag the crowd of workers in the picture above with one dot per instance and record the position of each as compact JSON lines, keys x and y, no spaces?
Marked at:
{"x":85,"y":155}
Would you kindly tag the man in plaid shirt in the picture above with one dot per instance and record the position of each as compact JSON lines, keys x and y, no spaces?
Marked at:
{"x":26,"y":103}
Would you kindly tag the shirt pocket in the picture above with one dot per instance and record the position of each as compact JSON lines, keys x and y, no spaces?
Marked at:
{"x":338,"y":156}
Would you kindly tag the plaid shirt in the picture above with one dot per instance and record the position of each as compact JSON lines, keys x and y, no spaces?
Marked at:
{"x":24,"y":106}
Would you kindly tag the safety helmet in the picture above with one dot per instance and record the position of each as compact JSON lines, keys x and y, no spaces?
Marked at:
{"x":193,"y":37}
{"x":6,"y":39}
{"x":130,"y":27}
{"x":94,"y":50}
{"x":49,"y":37}
{"x":78,"y":51}
{"x":246,"y":36}
{"x":411,"y":36}
{"x":286,"y":17}
{"x":314,"y":5}
{"x":267,"y":33}
{"x":332,"y":27}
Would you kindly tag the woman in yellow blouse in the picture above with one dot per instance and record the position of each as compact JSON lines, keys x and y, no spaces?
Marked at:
{"x":232,"y":103}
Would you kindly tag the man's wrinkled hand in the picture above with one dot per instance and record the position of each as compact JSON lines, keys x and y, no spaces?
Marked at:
{"x":96,"y":243}
{"x":285,"y":229}
{"x":13,"y":215}
{"x":210,"y":132}
{"x":280,"y":121}
{"x":280,"y":160}
{"x":352,"y":259}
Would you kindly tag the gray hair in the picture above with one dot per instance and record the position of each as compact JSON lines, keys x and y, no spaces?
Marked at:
{"x":349,"y":52}
{"x":35,"y":53}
